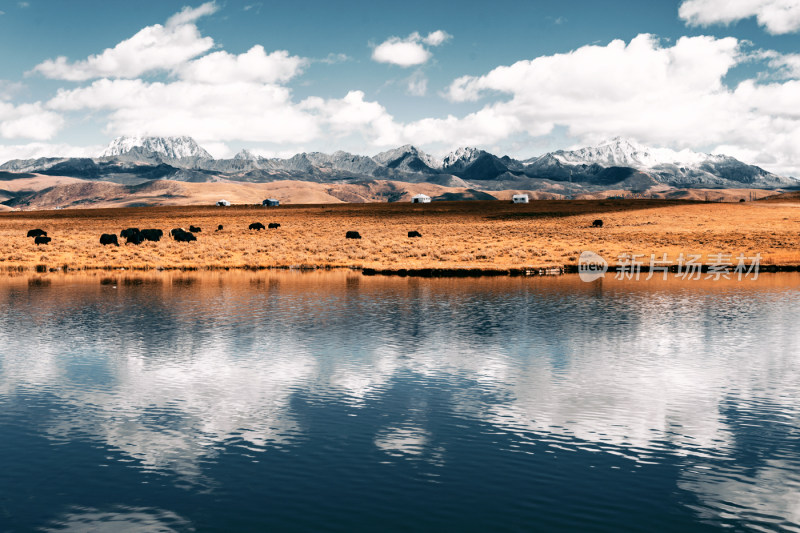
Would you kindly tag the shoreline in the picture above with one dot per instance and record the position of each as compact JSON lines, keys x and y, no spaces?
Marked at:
{"x":458,"y":239}
{"x":465,"y":272}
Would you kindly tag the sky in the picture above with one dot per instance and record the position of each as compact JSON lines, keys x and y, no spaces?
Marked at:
{"x":516,"y":78}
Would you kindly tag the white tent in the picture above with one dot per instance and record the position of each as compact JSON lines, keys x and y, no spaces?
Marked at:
{"x":520,"y":198}
{"x":224,"y":203}
{"x":421,"y":199}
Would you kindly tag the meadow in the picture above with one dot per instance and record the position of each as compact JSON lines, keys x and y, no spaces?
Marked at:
{"x":455,"y":235}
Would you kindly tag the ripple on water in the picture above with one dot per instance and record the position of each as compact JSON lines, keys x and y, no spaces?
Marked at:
{"x":335,"y":402}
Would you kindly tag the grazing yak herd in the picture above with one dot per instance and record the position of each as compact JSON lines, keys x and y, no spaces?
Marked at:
{"x":138,"y":236}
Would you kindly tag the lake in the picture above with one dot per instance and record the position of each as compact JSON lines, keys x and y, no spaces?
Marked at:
{"x":331,"y":401}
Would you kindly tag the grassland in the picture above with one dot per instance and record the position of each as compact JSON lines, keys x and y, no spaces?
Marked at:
{"x":455,"y":235}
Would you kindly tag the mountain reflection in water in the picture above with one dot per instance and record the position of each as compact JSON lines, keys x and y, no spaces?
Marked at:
{"x":344,"y":402}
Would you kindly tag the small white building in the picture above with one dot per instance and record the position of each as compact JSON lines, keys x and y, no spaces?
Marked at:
{"x":270,"y":202}
{"x":520,"y":198}
{"x":224,"y":203}
{"x":421,"y":199}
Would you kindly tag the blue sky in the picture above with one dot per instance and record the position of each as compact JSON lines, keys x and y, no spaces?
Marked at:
{"x":516,"y":78}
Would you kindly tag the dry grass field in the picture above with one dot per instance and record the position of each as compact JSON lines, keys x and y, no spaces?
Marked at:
{"x":487,"y":235}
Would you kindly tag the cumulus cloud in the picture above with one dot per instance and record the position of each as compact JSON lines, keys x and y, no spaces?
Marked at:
{"x":777,"y":16}
{"x":29,"y":121}
{"x":153,"y":48}
{"x":784,"y":66}
{"x":436,"y":38}
{"x":410,"y":51}
{"x":663,"y":95}
{"x":254,"y":65}
{"x":213,"y":112}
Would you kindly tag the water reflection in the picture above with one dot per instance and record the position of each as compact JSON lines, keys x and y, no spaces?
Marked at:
{"x":121,"y":519}
{"x":177,"y":371}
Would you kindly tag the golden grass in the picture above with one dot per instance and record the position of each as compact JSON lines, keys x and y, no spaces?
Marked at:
{"x":489,"y":235}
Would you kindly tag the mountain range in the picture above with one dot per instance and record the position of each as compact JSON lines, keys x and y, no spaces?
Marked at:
{"x":615,"y":165}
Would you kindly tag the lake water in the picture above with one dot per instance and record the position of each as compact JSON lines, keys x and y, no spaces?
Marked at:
{"x":336,"y":402}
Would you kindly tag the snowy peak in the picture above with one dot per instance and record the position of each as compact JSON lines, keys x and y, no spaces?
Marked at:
{"x":461,"y":157}
{"x":621,"y":152}
{"x":171,"y":147}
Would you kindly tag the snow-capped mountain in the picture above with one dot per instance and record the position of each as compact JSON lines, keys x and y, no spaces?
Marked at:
{"x":683,"y":168}
{"x":618,"y":164}
{"x":461,"y":157}
{"x":620,"y":152}
{"x":170,"y":147}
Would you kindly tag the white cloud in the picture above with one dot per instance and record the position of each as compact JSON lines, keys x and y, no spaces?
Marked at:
{"x":784,"y":65}
{"x":37,"y":149}
{"x":417,"y":84}
{"x":410,"y":51}
{"x":670,"y":96}
{"x":332,"y":59}
{"x":188,"y":15}
{"x":29,"y":121}
{"x":255,"y":65}
{"x":208,"y":112}
{"x":777,"y":16}
{"x":153,"y":48}
{"x":436,"y":38}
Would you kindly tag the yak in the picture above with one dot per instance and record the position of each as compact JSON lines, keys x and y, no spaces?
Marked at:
{"x":414,"y":234}
{"x":41,"y":239}
{"x":352,"y":235}
{"x":134,"y":238}
{"x":128,"y":232}
{"x":273,"y":225}
{"x":151,"y":234}
{"x":182,"y":236}
{"x":194,"y":229}
{"x":256,"y":226}
{"x":597,"y":223}
{"x":37,"y":232}
{"x":108,"y":238}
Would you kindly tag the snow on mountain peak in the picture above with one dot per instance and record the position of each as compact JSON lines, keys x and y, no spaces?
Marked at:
{"x":172,"y":147}
{"x":623,"y":152}
{"x":464,"y":156}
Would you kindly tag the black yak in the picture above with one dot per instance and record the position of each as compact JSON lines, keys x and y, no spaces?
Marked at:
{"x":108,"y":238}
{"x":273,"y":225}
{"x":258,"y":226}
{"x":41,"y":239}
{"x":597,"y":223}
{"x":37,"y":232}
{"x":194,"y":229}
{"x":128,"y":232}
{"x":151,"y":234}
{"x":414,"y":234}
{"x":134,"y":238}
{"x":183,"y":236}
{"x":352,"y":235}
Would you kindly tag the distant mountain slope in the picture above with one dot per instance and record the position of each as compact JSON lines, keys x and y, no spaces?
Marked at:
{"x":618,"y":164}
